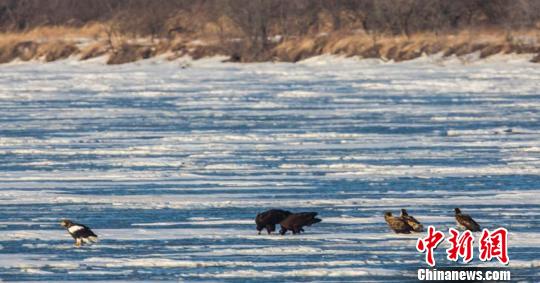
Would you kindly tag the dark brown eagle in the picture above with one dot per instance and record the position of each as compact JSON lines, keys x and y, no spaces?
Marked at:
{"x":397,"y":224}
{"x":466,"y":221}
{"x":79,"y":232}
{"x":415,"y":224}
{"x":270,"y":218}
{"x":296,"y":221}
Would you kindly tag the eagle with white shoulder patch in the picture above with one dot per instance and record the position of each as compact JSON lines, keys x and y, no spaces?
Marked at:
{"x":81,"y":233}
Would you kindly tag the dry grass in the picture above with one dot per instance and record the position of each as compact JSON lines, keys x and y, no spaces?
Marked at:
{"x":25,"y":51}
{"x":50,"y":43}
{"x":400,"y":48}
{"x":56,"y":50}
{"x":94,"y":50}
{"x":127,"y":53}
{"x":55,"y":33}
{"x":57,"y":42}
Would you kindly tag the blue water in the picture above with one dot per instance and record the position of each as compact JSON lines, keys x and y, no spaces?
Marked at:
{"x":169,"y":167}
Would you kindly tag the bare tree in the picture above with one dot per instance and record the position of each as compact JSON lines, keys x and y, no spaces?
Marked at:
{"x":260,"y":19}
{"x":253,"y":17}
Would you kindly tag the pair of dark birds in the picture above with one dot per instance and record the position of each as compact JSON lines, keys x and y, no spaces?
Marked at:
{"x":406,"y":224}
{"x":289,"y":221}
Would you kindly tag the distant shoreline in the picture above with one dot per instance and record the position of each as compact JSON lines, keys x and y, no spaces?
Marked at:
{"x":48,"y":44}
{"x":266,"y":30}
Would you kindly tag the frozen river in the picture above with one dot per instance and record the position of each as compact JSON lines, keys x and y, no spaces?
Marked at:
{"x":169,"y":166}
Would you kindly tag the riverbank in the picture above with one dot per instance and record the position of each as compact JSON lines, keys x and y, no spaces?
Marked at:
{"x":49,"y":44}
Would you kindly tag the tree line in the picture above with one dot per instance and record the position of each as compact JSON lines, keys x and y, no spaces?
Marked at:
{"x":259,"y":20}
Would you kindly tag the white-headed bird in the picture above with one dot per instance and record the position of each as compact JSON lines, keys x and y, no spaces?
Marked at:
{"x":79,"y":232}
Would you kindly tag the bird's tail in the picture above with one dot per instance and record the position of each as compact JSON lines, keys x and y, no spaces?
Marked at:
{"x":92,"y":239}
{"x":417,"y":227}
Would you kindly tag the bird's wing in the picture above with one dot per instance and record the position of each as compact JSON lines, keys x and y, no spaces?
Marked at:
{"x":288,"y":220}
{"x":85,"y":233}
{"x":399,"y":225}
{"x":75,"y":228}
{"x":411,"y":220}
{"x":467,"y":222}
{"x":284,"y":214}
{"x":307,"y":214}
{"x":81,"y":231}
{"x":415,"y":224}
{"x":474,"y":223}
{"x":270,"y":218}
{"x":307,"y":218}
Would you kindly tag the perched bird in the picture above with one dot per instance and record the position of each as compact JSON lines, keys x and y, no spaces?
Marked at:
{"x":397,"y":224}
{"x":269,"y":219}
{"x":417,"y":226}
{"x":296,"y":221}
{"x":79,"y":232}
{"x":466,"y":221}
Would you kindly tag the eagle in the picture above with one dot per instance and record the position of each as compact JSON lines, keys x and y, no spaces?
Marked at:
{"x":81,"y":233}
{"x":270,"y":218}
{"x":397,"y":224}
{"x":466,"y":221}
{"x":296,"y":221}
{"x":411,"y":221}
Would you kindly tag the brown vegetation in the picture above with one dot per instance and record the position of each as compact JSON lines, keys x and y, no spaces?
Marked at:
{"x":401,"y":48}
{"x":263,"y":30}
{"x":94,"y":50}
{"x":52,"y":51}
{"x":129,"y":53}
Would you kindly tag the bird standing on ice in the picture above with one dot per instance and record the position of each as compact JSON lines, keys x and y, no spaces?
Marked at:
{"x":397,"y":224}
{"x":466,"y":221}
{"x":79,"y":232}
{"x":296,"y":221}
{"x":417,"y":226}
{"x":270,"y":218}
